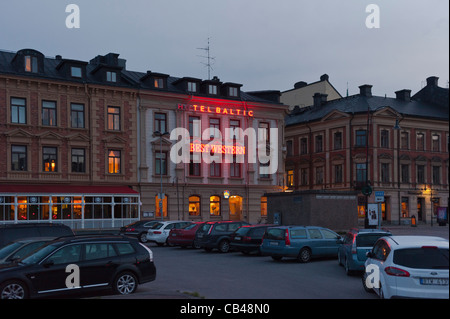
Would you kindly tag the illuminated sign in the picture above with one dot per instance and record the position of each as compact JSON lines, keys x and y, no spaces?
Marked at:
{"x":226,"y":194}
{"x":219,"y":149}
{"x":220,"y":110}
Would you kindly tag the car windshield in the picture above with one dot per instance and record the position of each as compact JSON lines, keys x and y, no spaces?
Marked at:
{"x":5,"y":251}
{"x":422,"y":258}
{"x":367,"y":240}
{"x":39,"y":254}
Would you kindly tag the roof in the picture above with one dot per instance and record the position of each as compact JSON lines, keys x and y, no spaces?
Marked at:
{"x":361,"y":104}
{"x":66,"y":189}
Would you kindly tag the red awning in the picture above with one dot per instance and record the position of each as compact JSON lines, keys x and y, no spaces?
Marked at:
{"x":66,"y":189}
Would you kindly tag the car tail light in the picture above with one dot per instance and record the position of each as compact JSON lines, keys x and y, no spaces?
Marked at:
{"x":397,"y":272}
{"x":287,"y":240}
{"x":130,"y":229}
{"x":157,"y":232}
{"x":354,"y":245}
{"x":246,"y":238}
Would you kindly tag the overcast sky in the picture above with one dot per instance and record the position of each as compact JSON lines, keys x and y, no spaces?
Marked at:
{"x":262,"y":44}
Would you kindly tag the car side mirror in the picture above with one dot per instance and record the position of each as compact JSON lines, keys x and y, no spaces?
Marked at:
{"x":369,"y":254}
{"x":339,"y":240}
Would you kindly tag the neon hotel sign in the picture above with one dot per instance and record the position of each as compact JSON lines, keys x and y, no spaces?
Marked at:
{"x":219,"y":110}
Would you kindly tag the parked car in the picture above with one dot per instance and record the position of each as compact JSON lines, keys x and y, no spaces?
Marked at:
{"x":217,"y":235}
{"x":117,"y":262}
{"x":248,"y":238}
{"x":301,"y":242}
{"x":408,"y":266}
{"x":159,"y":232}
{"x":185,"y":236}
{"x":21,"y":248}
{"x":11,"y":232}
{"x":138,"y":229}
{"x":357,"y":242}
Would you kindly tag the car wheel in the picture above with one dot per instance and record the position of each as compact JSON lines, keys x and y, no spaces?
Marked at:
{"x":224,"y":246}
{"x":13,"y":290}
{"x":126,"y":283}
{"x":143,"y":238}
{"x":305,"y":255}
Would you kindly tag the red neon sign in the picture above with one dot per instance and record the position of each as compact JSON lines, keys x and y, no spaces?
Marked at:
{"x":215,"y":110}
{"x":219,"y":149}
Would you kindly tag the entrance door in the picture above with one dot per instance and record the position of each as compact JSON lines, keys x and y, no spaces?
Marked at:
{"x":235,"y":203}
{"x":420,"y":208}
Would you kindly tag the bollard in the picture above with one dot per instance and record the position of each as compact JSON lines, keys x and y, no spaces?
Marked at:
{"x":413,"y":221}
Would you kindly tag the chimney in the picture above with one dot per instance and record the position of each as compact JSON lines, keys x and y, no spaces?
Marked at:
{"x":432,"y":81}
{"x":403,"y":95}
{"x":324,"y":77}
{"x":58,"y":57}
{"x":319,"y":99}
{"x":300,"y":84}
{"x":365,"y":90}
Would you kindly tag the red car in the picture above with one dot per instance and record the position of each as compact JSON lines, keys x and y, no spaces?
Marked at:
{"x":184,"y":237}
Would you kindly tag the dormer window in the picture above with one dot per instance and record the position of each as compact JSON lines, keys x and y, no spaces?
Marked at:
{"x":159,"y":83}
{"x":233,"y":91}
{"x":75,"y":72}
{"x":212,"y":89}
{"x":192,"y":87}
{"x":111,"y":76}
{"x":31,"y":64}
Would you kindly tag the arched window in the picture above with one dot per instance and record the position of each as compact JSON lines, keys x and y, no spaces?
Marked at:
{"x":214,"y":205}
{"x":194,"y":206}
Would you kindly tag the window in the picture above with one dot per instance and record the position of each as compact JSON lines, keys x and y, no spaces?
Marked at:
{"x":214,"y":125}
{"x":264,"y":168}
{"x":319,"y":143}
{"x":114,"y":157}
{"x":194,"y":126}
{"x":421,"y":174}
{"x":215,"y":169}
{"x":77,"y":115}
{"x":381,"y":250}
{"x":338,"y":174}
{"x":158,"y":83}
{"x":212,"y":89}
{"x":405,"y":207}
{"x":192,"y":87}
{"x":327,"y":234}
{"x":111,"y":76}
{"x":49,"y":159}
{"x":78,"y":160}
{"x":214,"y":205}
{"x":404,"y":173}
{"x":75,"y":72}
{"x":194,"y":168}
{"x":234,"y":125}
{"x":99,"y":251}
{"x":436,"y":175}
{"x":113,"y":118}
{"x":404,"y":140}
{"x":160,"y":122}
{"x":48,"y":113}
{"x":315,"y":234}
{"x":319,"y":175}
{"x":124,"y":249}
{"x":31,"y":64}
{"x":420,"y":138}
{"x":194,"y":206}
{"x":338,"y":140}
{"x":263,"y":206}
{"x":361,"y":171}
{"x":385,"y":172}
{"x":67,"y":255}
{"x":304,"y":176}
{"x":435,"y":140}
{"x":18,"y":111}
{"x":235,"y":168}
{"x":160,"y":163}
{"x":232,"y":91}
{"x":361,"y":138}
{"x":290,"y":178}
{"x":264,"y":132}
{"x":384,"y":138}
{"x":161,"y":204}
{"x":18,"y":158}
{"x":303,"y":146}
{"x":289,"y":148}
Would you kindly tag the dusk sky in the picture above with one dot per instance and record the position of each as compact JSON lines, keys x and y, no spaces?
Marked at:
{"x":262,"y":44}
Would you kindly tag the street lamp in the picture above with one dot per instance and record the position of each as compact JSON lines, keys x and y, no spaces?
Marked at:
{"x":160,"y":135}
{"x":398,"y":129}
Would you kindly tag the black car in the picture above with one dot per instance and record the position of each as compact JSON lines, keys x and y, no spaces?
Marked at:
{"x":248,"y":238}
{"x":138,"y":229}
{"x":12,"y":232}
{"x":216,"y":235}
{"x":79,"y":263}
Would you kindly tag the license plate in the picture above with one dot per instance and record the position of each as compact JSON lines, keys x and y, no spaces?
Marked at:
{"x":274,"y":243}
{"x":434,"y":281}
{"x":237,"y":238}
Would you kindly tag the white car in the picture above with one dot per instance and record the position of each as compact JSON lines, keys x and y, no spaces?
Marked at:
{"x":408,"y":267}
{"x":159,"y":232}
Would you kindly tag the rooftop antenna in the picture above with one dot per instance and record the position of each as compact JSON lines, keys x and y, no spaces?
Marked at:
{"x":208,"y":57}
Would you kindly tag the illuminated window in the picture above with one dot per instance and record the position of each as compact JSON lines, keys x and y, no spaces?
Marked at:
{"x":158,"y":206}
{"x":263,"y":206}
{"x":31,"y":64}
{"x":113,"y":118}
{"x":405,"y":207}
{"x":214,"y":205}
{"x":49,"y":159}
{"x":235,"y":203}
{"x":194,"y":206}
{"x":159,"y":83}
{"x":290,"y":178}
{"x":114,"y":162}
